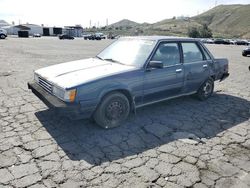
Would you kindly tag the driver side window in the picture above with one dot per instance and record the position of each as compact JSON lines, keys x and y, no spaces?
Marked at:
{"x":168,"y":54}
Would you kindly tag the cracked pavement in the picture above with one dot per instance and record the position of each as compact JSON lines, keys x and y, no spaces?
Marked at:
{"x":178,"y":143}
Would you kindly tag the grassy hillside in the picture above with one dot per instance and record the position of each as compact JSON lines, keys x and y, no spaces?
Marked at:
{"x":224,"y":20}
{"x":171,"y":27}
{"x":231,"y":20}
{"x":124,"y":23}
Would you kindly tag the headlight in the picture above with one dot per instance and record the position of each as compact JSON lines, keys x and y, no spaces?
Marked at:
{"x":68,"y":96}
{"x":59,"y":92}
{"x":36,"y":78}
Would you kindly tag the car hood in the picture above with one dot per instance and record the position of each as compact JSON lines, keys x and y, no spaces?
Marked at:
{"x":71,"y":74}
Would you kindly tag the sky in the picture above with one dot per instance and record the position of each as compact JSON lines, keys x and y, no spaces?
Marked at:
{"x":97,"y":12}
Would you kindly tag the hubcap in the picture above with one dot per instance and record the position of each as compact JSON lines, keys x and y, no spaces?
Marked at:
{"x":114,"y":110}
{"x":207,"y":88}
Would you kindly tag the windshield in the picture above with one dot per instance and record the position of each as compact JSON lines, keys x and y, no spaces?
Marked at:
{"x":133,"y":52}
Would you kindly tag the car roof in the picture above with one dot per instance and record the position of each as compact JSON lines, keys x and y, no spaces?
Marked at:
{"x":158,"y":38}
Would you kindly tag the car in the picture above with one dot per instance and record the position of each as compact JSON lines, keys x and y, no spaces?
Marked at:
{"x":65,"y":36}
{"x":209,"y":41}
{"x":3,"y":34}
{"x":232,"y":41}
{"x":241,"y":42}
{"x":221,"y":41}
{"x":130,"y":73}
{"x":246,"y":51}
{"x":100,"y":35}
{"x":96,"y":36}
{"x":36,"y":35}
{"x":86,"y":36}
{"x":89,"y":37}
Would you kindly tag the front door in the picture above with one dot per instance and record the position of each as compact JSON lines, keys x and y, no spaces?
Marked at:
{"x":161,"y":83}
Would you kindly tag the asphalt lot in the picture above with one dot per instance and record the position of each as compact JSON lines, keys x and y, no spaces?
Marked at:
{"x":178,"y":143}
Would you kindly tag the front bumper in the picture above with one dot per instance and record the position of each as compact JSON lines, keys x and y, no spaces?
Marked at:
{"x":224,"y":76}
{"x":71,"y":110}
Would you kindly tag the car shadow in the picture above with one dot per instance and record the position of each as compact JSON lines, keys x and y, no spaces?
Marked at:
{"x":153,"y":126}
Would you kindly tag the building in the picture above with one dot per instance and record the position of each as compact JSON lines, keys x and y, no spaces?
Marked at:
{"x":52,"y":31}
{"x":74,"y":31}
{"x":32,"y":29}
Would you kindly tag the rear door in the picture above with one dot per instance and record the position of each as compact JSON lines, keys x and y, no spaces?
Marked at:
{"x":196,"y":66}
{"x":161,"y":83}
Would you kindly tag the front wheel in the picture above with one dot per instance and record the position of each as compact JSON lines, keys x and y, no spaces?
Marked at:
{"x":206,"y":89}
{"x":112,"y":111}
{"x":2,"y":36}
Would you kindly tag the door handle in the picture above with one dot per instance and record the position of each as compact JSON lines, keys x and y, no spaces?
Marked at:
{"x":205,"y":66}
{"x":178,"y":70}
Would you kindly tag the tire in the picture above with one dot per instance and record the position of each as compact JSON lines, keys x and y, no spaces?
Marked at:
{"x":2,"y":36}
{"x":206,"y":89}
{"x":112,"y":111}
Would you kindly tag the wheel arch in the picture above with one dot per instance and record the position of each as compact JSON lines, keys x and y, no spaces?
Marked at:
{"x":124,"y":91}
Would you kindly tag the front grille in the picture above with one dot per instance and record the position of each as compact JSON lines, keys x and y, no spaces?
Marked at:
{"x":45,"y":84}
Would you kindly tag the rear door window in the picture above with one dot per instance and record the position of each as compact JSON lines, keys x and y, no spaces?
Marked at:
{"x":191,"y":52}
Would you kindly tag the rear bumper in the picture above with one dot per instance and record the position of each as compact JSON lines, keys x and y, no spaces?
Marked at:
{"x":70,"y":110}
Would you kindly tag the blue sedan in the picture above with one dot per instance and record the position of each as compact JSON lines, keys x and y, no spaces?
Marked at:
{"x":130,"y":73}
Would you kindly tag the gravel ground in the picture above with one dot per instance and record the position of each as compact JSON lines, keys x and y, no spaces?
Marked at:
{"x":178,"y":143}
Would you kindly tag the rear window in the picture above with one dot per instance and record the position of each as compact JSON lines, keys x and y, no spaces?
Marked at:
{"x":191,"y":52}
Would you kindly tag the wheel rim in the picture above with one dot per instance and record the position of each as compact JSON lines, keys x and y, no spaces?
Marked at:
{"x":207,"y":89}
{"x":115,"y":110}
{"x":2,"y":36}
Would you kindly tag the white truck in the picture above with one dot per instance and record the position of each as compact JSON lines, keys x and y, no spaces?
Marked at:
{"x":3,"y":33}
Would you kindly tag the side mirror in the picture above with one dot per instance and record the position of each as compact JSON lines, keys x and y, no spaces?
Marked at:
{"x":155,"y":64}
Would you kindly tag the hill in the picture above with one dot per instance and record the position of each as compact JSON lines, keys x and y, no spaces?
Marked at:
{"x":224,"y":21}
{"x":231,"y":20}
{"x":3,"y":23}
{"x":125,"y":23}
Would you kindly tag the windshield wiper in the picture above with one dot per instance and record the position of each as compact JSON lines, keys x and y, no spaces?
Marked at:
{"x":114,"y":61}
{"x":99,"y":57}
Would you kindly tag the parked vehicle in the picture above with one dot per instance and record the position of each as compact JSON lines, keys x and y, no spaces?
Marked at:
{"x":226,"y":41}
{"x":3,"y":34}
{"x":232,"y":41}
{"x":246,"y":51}
{"x":209,"y":41}
{"x":96,"y":36}
{"x":130,"y":73}
{"x":101,"y":35}
{"x":221,"y":41}
{"x":35,"y":35}
{"x":64,"y":36}
{"x":241,"y":42}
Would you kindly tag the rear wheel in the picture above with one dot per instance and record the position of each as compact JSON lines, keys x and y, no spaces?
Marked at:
{"x":2,"y":36}
{"x":112,"y":111}
{"x":206,"y":89}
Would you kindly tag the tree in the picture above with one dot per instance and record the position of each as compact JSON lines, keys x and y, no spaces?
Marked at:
{"x":193,"y":32}
{"x":205,"y":32}
{"x":201,"y":32}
